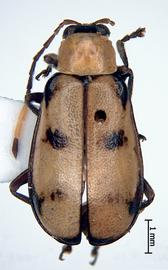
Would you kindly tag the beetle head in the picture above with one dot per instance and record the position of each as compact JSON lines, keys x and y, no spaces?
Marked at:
{"x":95,"y":27}
{"x":86,"y":49}
{"x":86,"y":28}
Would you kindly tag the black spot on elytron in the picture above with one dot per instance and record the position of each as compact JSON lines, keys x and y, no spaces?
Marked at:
{"x":57,"y":194}
{"x":57,"y":139}
{"x":115,"y":140}
{"x":122,"y":92}
{"x":38,"y":201}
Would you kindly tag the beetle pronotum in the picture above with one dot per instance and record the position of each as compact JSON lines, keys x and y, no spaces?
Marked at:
{"x":85,"y":136}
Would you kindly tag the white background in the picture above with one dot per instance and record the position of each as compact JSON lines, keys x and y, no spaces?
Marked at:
{"x":24,"y":26}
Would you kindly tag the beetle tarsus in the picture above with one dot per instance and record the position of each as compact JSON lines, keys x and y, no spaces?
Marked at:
{"x":44,"y":73}
{"x":65,"y":249}
{"x":94,"y":254}
{"x":140,"y":32}
{"x":120,"y":44}
{"x":142,"y":137}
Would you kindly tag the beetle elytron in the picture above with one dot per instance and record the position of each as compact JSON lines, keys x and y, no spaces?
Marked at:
{"x":85,"y":137}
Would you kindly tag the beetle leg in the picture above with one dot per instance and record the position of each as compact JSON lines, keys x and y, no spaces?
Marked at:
{"x":19,"y":181}
{"x":65,"y":249}
{"x":149,"y":193}
{"x":142,"y":137}
{"x":94,"y":254}
{"x":120,"y":44}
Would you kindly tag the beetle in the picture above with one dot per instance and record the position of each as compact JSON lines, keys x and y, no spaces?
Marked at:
{"x":85,"y":138}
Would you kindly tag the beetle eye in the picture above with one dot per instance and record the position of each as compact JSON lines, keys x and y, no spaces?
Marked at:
{"x":100,"y":116}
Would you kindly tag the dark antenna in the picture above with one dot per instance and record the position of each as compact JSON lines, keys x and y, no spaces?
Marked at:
{"x":45,"y":46}
{"x":105,"y":21}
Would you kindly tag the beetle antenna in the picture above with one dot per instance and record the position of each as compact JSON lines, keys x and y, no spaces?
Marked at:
{"x":45,"y":46}
{"x":105,"y":21}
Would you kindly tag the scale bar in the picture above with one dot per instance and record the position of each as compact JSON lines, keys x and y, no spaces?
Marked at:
{"x":148,"y":238}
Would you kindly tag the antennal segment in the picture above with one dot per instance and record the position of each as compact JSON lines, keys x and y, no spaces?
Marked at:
{"x":105,"y":21}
